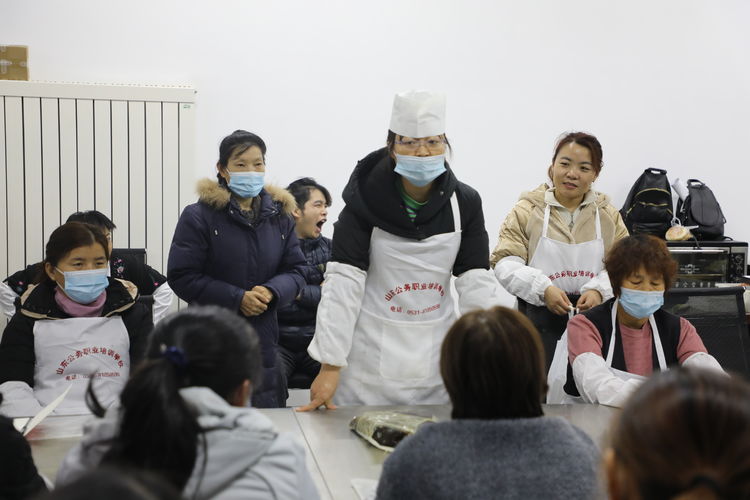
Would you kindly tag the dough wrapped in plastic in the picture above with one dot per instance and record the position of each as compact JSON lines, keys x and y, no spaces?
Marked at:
{"x":385,"y":429}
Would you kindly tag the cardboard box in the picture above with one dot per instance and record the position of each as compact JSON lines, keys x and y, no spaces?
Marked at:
{"x":14,"y":62}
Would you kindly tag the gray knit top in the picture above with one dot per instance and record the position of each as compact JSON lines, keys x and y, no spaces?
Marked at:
{"x":527,"y":458}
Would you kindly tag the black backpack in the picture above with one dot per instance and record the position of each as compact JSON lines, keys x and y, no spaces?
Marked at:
{"x":648,"y":207}
{"x":701,"y":209}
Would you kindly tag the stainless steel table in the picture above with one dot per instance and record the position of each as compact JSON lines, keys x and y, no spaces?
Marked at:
{"x":285,"y":421}
{"x":51,"y":440}
{"x":342,"y":456}
{"x":335,"y":455}
{"x":55,"y":436}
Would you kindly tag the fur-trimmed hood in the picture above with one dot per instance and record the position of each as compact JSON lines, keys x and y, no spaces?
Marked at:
{"x":217,"y":196}
{"x":218,"y":253}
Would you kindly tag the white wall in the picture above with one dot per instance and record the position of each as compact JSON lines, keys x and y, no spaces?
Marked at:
{"x":661,"y":83}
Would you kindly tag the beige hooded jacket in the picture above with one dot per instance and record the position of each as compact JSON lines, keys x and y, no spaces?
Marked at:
{"x":522,"y":229}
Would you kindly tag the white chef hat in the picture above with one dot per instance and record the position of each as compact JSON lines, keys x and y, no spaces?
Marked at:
{"x":418,"y":113}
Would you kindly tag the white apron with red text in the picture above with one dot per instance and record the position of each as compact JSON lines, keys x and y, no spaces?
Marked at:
{"x":70,"y":351}
{"x":558,"y":372}
{"x":406,"y":311}
{"x":569,"y":265}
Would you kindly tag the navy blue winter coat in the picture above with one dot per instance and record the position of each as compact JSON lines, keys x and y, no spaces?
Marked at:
{"x":297,"y":320}
{"x":217,"y":254}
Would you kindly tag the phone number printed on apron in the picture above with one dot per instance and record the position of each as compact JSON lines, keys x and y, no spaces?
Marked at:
{"x":414,"y":312}
{"x":571,"y":274}
{"x":413,"y":287}
{"x":100,"y":374}
{"x":87,"y":351}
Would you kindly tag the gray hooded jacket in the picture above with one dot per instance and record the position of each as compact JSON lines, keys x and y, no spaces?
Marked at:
{"x":248,"y":458}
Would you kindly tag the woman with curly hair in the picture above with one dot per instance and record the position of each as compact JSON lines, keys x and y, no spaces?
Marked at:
{"x":613,"y":347}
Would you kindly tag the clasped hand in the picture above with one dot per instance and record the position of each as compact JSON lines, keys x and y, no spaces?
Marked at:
{"x":256,"y":301}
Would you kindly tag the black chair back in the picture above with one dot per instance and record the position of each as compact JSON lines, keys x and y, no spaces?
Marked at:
{"x":718,"y":315}
{"x":137,"y":254}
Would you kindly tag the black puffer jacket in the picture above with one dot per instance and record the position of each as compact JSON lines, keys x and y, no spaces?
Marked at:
{"x":17,"y":356}
{"x":297,"y":320}
{"x":372,"y":200}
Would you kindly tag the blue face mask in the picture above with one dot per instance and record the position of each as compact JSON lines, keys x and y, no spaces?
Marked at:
{"x":420,"y":170}
{"x":640,"y":304}
{"x":85,"y":286}
{"x":246,"y":184}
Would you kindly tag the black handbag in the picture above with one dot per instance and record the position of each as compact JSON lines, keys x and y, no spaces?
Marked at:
{"x":700,"y":209}
{"x":648,"y":207}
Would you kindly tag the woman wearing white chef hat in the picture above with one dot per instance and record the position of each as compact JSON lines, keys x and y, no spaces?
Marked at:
{"x":407,"y":227}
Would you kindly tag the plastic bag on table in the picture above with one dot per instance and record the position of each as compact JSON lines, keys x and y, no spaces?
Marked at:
{"x":385,"y":429}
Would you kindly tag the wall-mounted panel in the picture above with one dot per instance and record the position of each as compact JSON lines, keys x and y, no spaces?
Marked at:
{"x":85,"y":149}
{"x":123,"y":150}
{"x":14,"y":193}
{"x":32,"y":176}
{"x":51,"y":165}
{"x":103,"y":157}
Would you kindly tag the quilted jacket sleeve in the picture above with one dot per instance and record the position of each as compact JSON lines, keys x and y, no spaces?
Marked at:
{"x":187,"y":260}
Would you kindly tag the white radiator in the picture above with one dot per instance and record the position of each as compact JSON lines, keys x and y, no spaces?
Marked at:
{"x":126,"y":151}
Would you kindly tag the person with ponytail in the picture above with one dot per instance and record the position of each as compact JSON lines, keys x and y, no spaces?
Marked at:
{"x":237,"y":248}
{"x":77,"y":324}
{"x":184,"y":416}
{"x":683,"y":435}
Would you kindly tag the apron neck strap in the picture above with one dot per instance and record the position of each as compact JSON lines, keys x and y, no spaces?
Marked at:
{"x":613,"y":336}
{"x":456,"y":212}
{"x":657,"y":344}
{"x":546,"y":221}
{"x":598,"y":224}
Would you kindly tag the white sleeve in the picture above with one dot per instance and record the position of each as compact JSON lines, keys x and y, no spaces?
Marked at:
{"x":341,"y":299}
{"x":162,"y":301}
{"x":703,"y":360}
{"x":601,"y":284}
{"x":18,"y":400}
{"x":7,"y":300}
{"x":597,"y":384}
{"x":477,"y":289}
{"x":525,"y":282}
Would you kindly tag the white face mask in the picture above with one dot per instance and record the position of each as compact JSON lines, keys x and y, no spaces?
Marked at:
{"x":420,"y":170}
{"x":85,"y":286}
{"x":640,"y":304}
{"x":246,"y":184}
